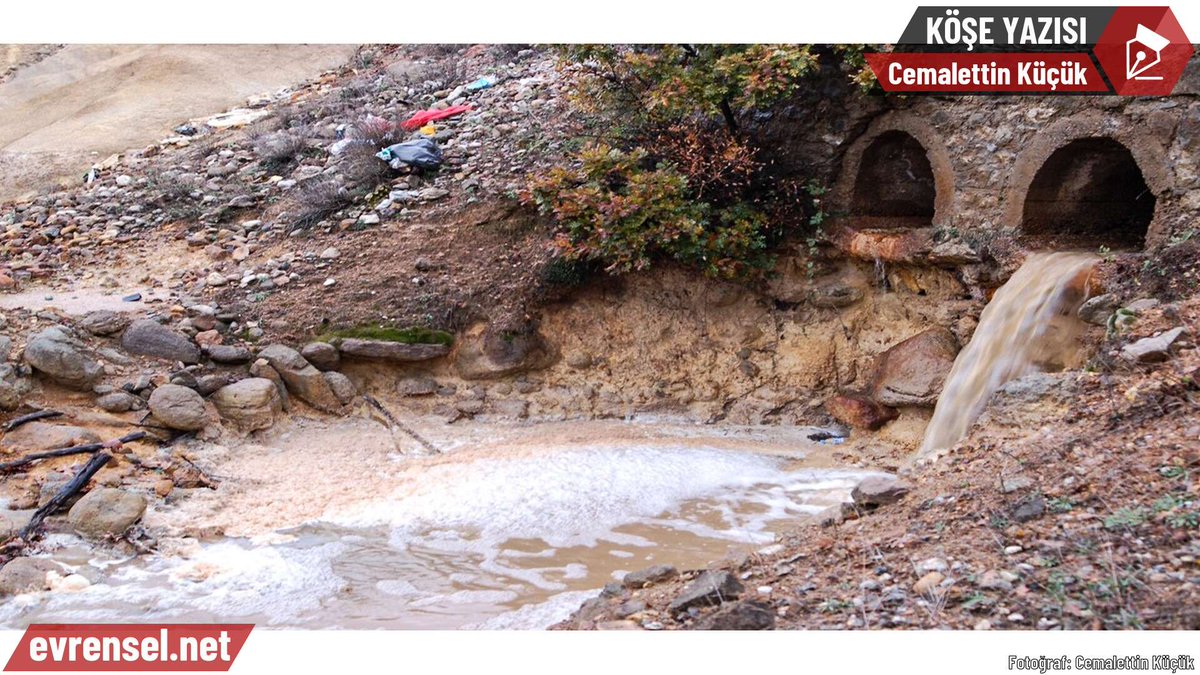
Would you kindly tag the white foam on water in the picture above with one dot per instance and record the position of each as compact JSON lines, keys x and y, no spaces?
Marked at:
{"x":565,"y":498}
{"x":265,"y":584}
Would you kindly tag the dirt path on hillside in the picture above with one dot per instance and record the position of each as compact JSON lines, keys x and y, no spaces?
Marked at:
{"x":60,"y":115}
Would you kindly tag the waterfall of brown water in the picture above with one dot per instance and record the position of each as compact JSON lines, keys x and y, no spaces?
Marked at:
{"x":1030,"y":324}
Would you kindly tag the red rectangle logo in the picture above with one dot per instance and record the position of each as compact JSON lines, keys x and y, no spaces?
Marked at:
{"x":124,"y":647}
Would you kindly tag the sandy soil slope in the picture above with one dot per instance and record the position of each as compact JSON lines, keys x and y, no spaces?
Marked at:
{"x":59,"y":115}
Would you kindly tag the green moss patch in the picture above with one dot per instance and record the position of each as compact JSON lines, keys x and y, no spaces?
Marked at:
{"x":409,"y":336}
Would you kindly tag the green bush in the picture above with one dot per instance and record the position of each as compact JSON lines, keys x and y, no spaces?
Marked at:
{"x":619,"y":209}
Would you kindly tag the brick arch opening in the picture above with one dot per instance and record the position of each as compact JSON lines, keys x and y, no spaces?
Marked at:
{"x":895,"y":185}
{"x":1089,"y":192}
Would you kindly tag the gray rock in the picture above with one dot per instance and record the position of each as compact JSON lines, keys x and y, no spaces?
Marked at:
{"x":1097,"y":310}
{"x":229,"y":354}
{"x":250,"y":405}
{"x":1143,"y":305}
{"x":151,"y":338}
{"x":650,"y":575}
{"x":13,"y":387}
{"x":342,"y":387}
{"x":390,"y":351}
{"x":106,"y":512}
{"x":992,"y":580}
{"x":1153,"y":349}
{"x":953,"y":253}
{"x":12,"y":522}
{"x":710,"y":588}
{"x":834,"y":294}
{"x":261,"y":368}
{"x":875,"y":491}
{"x":178,"y":407}
{"x":416,"y":386}
{"x":741,"y":615}
{"x":63,"y":359}
{"x":470,"y":406}
{"x":302,"y":379}
{"x":103,"y":322}
{"x":1029,"y":509}
{"x":119,"y":402}
{"x":25,"y":575}
{"x":5,"y":347}
{"x":322,"y":355}
{"x":207,"y":384}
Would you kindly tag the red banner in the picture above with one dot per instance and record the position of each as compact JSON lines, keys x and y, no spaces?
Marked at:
{"x":125,"y":647}
{"x":984,"y":73}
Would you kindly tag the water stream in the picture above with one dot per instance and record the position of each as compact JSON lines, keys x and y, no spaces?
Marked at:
{"x":1029,"y":325}
{"x":506,"y":533}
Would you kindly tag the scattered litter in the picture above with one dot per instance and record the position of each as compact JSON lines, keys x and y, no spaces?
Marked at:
{"x":236,"y":118}
{"x":424,"y":117}
{"x":835,"y":440}
{"x":132,"y":298}
{"x":90,"y":177}
{"x":186,"y":130}
{"x":345,"y":144}
{"x":422,"y":153}
{"x":428,"y":130}
{"x":482,"y":83}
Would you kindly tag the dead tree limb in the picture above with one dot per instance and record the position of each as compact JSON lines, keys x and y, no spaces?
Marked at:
{"x":397,"y":424}
{"x":56,"y":502}
{"x":31,"y":417}
{"x":65,"y":452}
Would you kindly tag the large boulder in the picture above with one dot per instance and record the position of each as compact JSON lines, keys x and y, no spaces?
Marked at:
{"x":26,"y":575}
{"x":13,"y":387}
{"x":301,"y":377}
{"x":859,"y":412}
{"x":150,"y":338}
{"x":106,"y":512}
{"x":912,"y":372}
{"x":41,"y":436}
{"x":322,"y":355}
{"x":178,"y":407}
{"x":250,"y":405}
{"x":342,"y":387}
{"x":229,"y":354}
{"x":390,"y":351}
{"x":63,"y":359}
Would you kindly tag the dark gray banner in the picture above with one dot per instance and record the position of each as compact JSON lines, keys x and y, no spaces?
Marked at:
{"x":949,"y":28}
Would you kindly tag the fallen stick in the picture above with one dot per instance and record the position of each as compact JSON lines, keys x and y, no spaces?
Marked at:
{"x":31,"y":417}
{"x":397,"y":424}
{"x":75,"y":450}
{"x":56,"y":502}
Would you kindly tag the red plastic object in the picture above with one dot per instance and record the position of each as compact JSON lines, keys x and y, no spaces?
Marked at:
{"x":424,"y":117}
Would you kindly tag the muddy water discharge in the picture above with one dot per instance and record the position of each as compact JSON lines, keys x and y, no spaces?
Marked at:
{"x":333,"y":528}
{"x":1029,"y":325}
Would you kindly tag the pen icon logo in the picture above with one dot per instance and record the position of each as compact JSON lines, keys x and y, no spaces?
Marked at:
{"x":1142,"y":52}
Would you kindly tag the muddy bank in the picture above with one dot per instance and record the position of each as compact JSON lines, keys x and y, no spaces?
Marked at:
{"x":76,"y":107}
